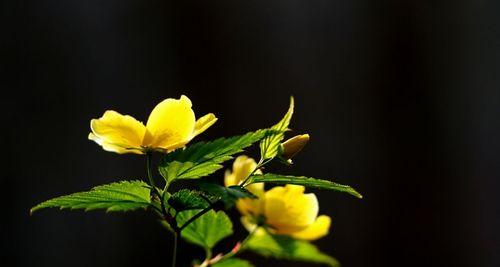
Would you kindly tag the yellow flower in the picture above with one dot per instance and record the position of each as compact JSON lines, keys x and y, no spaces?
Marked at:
{"x":242,"y":167}
{"x":294,"y":145}
{"x":288,"y":211}
{"x":285,"y":210}
{"x":170,"y":125}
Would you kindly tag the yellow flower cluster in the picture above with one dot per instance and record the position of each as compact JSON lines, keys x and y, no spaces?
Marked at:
{"x":170,"y":125}
{"x":286,"y":209}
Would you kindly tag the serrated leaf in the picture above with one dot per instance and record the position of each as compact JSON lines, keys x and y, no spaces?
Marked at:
{"x":204,"y":158}
{"x":233,"y":262}
{"x":279,"y":179}
{"x":119,"y":196}
{"x":207,"y":230}
{"x":269,"y":146}
{"x":186,"y":199}
{"x":284,"y":247}
{"x":227,"y":195}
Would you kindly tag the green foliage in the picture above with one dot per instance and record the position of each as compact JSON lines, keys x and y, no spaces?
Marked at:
{"x":269,"y":146}
{"x":119,"y":196}
{"x":227,"y":195}
{"x":233,"y":262}
{"x":279,"y":179}
{"x":284,"y":247}
{"x":207,"y":230}
{"x":186,"y":199}
{"x":193,"y":212}
{"x":204,"y":158}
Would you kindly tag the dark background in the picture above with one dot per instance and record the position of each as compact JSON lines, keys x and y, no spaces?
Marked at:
{"x":401,"y":98}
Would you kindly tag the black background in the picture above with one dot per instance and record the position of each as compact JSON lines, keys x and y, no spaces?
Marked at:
{"x":401,"y":99}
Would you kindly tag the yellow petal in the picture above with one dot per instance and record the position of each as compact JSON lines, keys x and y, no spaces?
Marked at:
{"x":204,"y":123}
{"x":170,"y":125}
{"x":288,"y":210}
{"x":229,"y":179}
{"x":248,"y":206}
{"x":113,"y":148}
{"x":242,"y":167}
{"x":318,"y":229}
{"x":251,"y":226}
{"x":117,"y":133}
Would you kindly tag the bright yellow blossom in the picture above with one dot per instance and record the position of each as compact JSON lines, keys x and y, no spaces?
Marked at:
{"x":286,"y":210}
{"x":170,"y":125}
{"x":242,"y":167}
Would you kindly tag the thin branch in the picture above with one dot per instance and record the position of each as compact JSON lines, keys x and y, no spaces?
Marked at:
{"x":261,"y":164}
{"x":174,"y":252}
{"x":234,"y":252}
{"x":196,"y":216}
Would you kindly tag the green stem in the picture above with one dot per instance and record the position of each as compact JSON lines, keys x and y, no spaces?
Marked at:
{"x":149,"y":155}
{"x":242,"y":245}
{"x":247,"y":238}
{"x":196,"y":216}
{"x":174,"y":253}
{"x":166,"y":216}
{"x":259,"y":165}
{"x":208,"y":254}
{"x":154,"y":189}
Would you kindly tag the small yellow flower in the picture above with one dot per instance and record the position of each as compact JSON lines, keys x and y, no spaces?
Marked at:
{"x":242,"y":167}
{"x":170,"y":125}
{"x":294,"y":145}
{"x":285,"y":210}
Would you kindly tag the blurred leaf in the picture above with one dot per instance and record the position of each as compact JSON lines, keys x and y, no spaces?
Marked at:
{"x":269,"y":146}
{"x":186,"y":199}
{"x":119,"y":196}
{"x":284,"y":247}
{"x":279,"y":179}
{"x":227,"y":195}
{"x":233,"y":262}
{"x":207,"y":230}
{"x":204,"y":158}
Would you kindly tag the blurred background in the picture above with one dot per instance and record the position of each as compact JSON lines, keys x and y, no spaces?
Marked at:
{"x":401,"y":99}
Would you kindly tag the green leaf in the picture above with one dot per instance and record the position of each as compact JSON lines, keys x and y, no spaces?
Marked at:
{"x":207,"y":230}
{"x":233,"y":262}
{"x":227,"y":195}
{"x":284,"y":247}
{"x":186,"y":199}
{"x":279,"y":179}
{"x":119,"y":196}
{"x":204,"y":158}
{"x":269,"y":146}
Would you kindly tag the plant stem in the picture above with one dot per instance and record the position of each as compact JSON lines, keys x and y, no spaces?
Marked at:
{"x":155,"y":191}
{"x":165,"y":214}
{"x":196,"y":216}
{"x":208,"y":254}
{"x":259,"y":165}
{"x":242,"y":245}
{"x":149,"y":155}
{"x":248,"y":237}
{"x":174,"y":253}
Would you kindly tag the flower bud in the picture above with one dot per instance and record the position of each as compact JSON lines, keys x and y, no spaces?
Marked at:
{"x":294,"y":145}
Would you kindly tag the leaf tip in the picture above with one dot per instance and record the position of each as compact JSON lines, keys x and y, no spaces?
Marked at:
{"x":356,"y":194}
{"x":35,"y":208}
